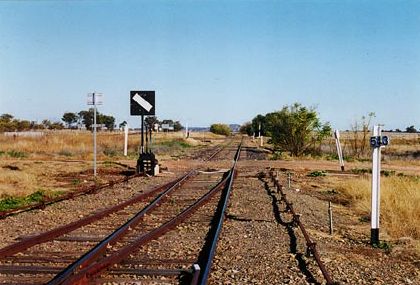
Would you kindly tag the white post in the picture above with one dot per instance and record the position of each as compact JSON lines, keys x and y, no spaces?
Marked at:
{"x":94,"y":135}
{"x":376,"y":186}
{"x":125,"y":139}
{"x":339,"y":150}
{"x":186,"y":130}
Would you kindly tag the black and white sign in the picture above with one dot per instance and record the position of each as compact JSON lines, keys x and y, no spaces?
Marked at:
{"x":142,"y":103}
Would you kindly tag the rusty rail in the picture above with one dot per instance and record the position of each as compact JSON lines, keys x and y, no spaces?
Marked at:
{"x":93,"y":269}
{"x":207,"y":262}
{"x":49,"y":235}
{"x":311,"y":245}
{"x":118,"y":234}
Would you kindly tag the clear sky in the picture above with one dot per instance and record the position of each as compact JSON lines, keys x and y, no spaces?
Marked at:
{"x":213,"y":61}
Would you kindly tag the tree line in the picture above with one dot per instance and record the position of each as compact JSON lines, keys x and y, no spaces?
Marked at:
{"x":85,"y":118}
{"x":8,"y":123}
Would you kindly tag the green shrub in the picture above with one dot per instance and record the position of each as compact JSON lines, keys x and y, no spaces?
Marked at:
{"x":317,"y":173}
{"x":220,"y":129}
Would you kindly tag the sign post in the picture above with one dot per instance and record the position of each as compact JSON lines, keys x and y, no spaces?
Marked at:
{"x":94,"y":99}
{"x":376,"y":142}
{"x":142,"y":103}
{"x":339,"y":150}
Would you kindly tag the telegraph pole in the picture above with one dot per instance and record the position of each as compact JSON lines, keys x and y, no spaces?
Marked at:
{"x":94,"y":99}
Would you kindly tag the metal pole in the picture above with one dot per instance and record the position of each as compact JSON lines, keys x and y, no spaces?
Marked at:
{"x":94,"y":134}
{"x":142,"y":136}
{"x":289,"y":179}
{"x":376,"y":184}
{"x":150,"y":139}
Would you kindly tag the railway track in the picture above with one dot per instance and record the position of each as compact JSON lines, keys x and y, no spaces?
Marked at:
{"x":138,"y":239}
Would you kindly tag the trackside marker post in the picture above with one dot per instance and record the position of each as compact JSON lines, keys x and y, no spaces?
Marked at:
{"x":339,"y":150}
{"x":376,"y":142}
{"x":125,"y":139}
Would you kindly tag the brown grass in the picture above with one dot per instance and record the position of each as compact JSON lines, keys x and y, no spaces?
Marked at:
{"x":400,"y":200}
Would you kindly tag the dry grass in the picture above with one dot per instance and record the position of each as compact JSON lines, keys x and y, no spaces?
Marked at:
{"x":400,"y":200}
{"x":79,"y":144}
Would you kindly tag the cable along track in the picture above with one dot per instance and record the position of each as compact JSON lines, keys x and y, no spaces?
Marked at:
{"x":165,"y":235}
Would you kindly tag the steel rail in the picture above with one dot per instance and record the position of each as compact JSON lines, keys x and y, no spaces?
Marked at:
{"x":50,"y":235}
{"x":205,"y":266}
{"x":94,"y":269}
{"x":88,"y":190}
{"x":311,"y":245}
{"x":118,"y":234}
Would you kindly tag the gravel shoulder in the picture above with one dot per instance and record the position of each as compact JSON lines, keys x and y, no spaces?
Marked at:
{"x":259,"y":248}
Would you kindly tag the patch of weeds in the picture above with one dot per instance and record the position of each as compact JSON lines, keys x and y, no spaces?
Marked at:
{"x":110,"y":151}
{"x":317,"y":173}
{"x":10,"y":203}
{"x":364,"y":219}
{"x":36,"y":197}
{"x":361,"y":170}
{"x":75,"y":182}
{"x":64,"y":152}
{"x":108,"y":163}
{"x":2,"y":153}
{"x":388,"y":173}
{"x":385,"y":173}
{"x":16,"y":154}
{"x":384,"y":245}
{"x":331,"y":192}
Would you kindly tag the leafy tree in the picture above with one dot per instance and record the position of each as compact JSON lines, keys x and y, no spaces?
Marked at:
{"x":87,"y":118}
{"x":259,"y":125}
{"x":69,"y":118}
{"x":220,"y":129}
{"x":411,"y":129}
{"x":122,"y":124}
{"x":177,"y":126}
{"x":296,"y":129}
{"x":6,"y":118}
{"x":56,"y":126}
{"x":46,"y":123}
{"x":246,"y":129}
{"x":150,"y":122}
{"x":108,"y":121}
{"x":23,"y":125}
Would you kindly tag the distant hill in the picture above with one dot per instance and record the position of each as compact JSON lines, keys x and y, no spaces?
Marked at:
{"x":235,"y":127}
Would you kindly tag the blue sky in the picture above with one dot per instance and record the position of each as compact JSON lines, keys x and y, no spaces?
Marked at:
{"x":213,"y":61}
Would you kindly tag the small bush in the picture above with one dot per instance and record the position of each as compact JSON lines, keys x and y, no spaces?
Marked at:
{"x":317,"y":173}
{"x":64,"y":152}
{"x":220,"y":129}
